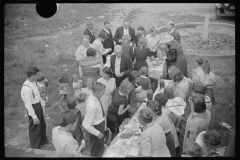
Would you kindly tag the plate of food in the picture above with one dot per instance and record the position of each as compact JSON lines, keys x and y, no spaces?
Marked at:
{"x":128,"y":126}
{"x":126,"y":143}
{"x":125,"y":135}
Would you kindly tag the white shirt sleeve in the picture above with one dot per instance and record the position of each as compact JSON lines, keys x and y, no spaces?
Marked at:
{"x":88,"y":119}
{"x":27,"y":96}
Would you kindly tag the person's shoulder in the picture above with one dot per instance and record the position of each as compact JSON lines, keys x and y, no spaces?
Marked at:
{"x":119,"y":28}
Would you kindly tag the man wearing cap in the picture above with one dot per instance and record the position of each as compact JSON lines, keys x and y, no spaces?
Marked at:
{"x":175,"y":55}
{"x":89,"y":31}
{"x":125,"y":29}
{"x":120,"y":65}
{"x":31,"y":98}
{"x":173,"y":31}
{"x":141,"y":33}
{"x":108,"y":43}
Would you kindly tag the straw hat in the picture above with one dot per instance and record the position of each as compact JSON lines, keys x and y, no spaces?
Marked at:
{"x":167,"y":38}
{"x":171,"y":23}
{"x":41,"y":77}
{"x":142,"y":41}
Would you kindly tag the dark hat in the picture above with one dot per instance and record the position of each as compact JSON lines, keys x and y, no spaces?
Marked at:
{"x":41,"y":77}
{"x":141,"y":28}
{"x":199,"y":88}
{"x":206,"y":65}
{"x":102,"y":35}
{"x":89,"y":24}
{"x":199,"y":61}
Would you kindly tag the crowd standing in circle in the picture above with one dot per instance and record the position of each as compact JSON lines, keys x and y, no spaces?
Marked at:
{"x":113,"y":82}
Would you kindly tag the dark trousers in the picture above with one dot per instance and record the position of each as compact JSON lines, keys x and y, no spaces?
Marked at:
{"x":37,"y":132}
{"x":170,"y":144}
{"x":97,"y":145}
{"x":118,"y":80}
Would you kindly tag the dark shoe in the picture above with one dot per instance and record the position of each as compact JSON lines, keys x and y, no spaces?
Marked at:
{"x":48,"y":105}
{"x":44,"y":143}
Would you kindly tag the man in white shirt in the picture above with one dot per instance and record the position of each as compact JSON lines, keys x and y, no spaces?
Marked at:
{"x":94,"y":120}
{"x":31,"y":98}
{"x":153,"y":40}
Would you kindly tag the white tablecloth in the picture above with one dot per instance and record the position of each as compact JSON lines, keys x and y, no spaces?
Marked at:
{"x":155,"y":72}
{"x":116,"y":140}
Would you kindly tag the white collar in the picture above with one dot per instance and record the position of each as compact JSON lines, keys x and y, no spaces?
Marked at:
{"x":106,"y":30}
{"x":171,"y":30}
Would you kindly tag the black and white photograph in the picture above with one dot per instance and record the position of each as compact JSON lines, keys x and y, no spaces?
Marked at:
{"x":74,"y":77}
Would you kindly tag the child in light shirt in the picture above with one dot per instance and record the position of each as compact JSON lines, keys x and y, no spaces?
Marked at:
{"x":196,"y":73}
{"x":77,"y":85}
{"x":208,"y":79}
{"x":88,"y":90}
{"x":43,"y":96}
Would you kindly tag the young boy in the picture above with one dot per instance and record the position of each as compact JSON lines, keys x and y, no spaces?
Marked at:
{"x":197,"y":71}
{"x":208,"y":78}
{"x":71,"y":108}
{"x":94,"y":121}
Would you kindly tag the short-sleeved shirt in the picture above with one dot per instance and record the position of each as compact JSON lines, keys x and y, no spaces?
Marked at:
{"x":196,"y":74}
{"x":163,"y":121}
{"x":208,"y":78}
{"x":153,"y":141}
{"x":63,"y":141}
{"x":152,"y":41}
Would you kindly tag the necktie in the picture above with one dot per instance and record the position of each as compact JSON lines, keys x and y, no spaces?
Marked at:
{"x":117,"y":69}
{"x":103,"y":114}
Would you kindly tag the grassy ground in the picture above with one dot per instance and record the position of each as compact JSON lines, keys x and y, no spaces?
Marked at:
{"x":61,"y":50}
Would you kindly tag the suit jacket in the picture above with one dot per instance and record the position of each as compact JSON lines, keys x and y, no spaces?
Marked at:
{"x":108,"y":43}
{"x":125,"y":65}
{"x":176,"y":35}
{"x":92,"y":36}
{"x":119,"y":33}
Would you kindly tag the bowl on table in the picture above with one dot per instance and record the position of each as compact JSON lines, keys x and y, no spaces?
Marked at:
{"x":125,"y":135}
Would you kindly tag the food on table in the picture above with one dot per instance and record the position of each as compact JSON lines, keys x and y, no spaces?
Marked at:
{"x":127,"y":144}
{"x":128,"y":126}
{"x":125,"y":135}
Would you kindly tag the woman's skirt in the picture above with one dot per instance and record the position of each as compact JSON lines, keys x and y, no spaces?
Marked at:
{"x":210,"y":93}
{"x":181,"y":64}
{"x":139,"y":64}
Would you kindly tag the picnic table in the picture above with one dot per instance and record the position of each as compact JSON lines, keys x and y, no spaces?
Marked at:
{"x":110,"y":152}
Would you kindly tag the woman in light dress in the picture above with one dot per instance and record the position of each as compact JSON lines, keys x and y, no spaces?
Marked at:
{"x":110,"y":84}
{"x":62,"y":138}
{"x":81,"y":51}
{"x":153,"y":140}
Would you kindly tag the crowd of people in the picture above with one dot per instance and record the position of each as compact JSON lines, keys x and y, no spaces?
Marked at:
{"x":111,"y":85}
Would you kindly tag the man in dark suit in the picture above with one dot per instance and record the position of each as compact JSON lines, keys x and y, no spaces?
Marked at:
{"x":120,"y":65}
{"x":125,"y":29}
{"x":108,"y":43}
{"x":173,"y":31}
{"x":89,"y":31}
